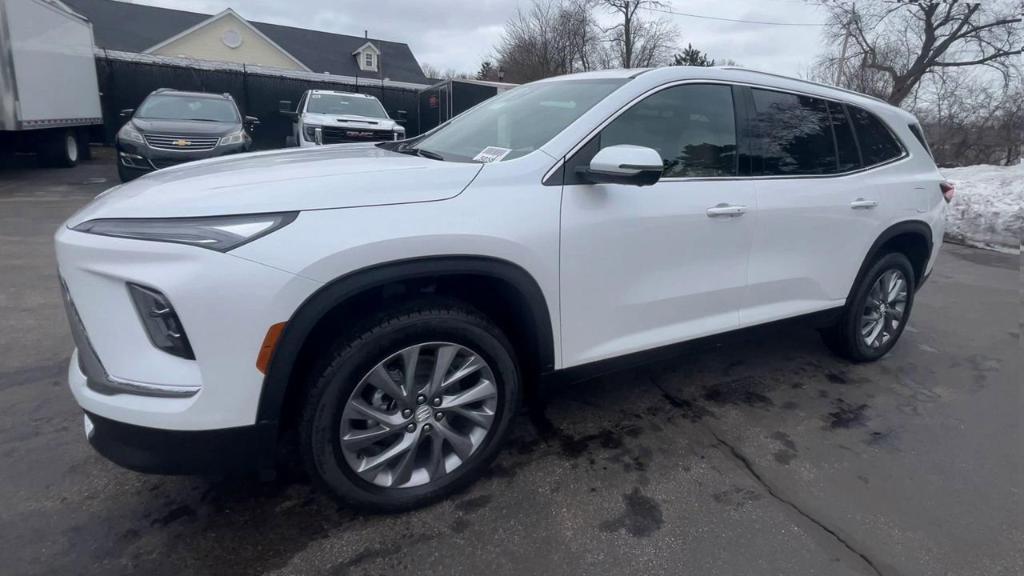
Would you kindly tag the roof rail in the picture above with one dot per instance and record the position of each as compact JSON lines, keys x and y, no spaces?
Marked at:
{"x":819,"y":84}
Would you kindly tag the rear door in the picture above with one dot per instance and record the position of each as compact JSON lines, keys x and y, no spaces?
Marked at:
{"x":647,"y":266}
{"x":819,"y":206}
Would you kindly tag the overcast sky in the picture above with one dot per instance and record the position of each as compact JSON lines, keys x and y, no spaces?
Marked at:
{"x":459,"y":34}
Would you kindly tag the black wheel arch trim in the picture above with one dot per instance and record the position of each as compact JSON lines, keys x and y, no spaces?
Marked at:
{"x":306,"y":316}
{"x":917,"y":227}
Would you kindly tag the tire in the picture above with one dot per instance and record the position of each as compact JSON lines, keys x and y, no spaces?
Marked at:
{"x":854,"y":336}
{"x":62,"y":149}
{"x":352,"y":380}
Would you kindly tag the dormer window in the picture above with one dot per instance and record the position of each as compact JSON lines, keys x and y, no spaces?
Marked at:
{"x":367,"y":57}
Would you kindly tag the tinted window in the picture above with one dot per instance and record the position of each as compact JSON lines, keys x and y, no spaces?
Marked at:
{"x":185,"y":107}
{"x":915,"y":129}
{"x":846,"y":145}
{"x":791,"y":135}
{"x":877,"y":144}
{"x":692,"y":127}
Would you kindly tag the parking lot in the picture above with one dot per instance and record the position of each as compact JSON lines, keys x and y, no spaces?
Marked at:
{"x":767,"y":456}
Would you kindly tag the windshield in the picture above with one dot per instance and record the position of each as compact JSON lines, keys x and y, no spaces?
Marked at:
{"x":518,"y":121}
{"x":342,"y":104}
{"x":182,"y":107}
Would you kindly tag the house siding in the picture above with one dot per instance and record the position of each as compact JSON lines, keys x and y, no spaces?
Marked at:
{"x":206,"y":43}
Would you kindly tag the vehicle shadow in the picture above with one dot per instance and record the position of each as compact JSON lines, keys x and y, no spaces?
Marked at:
{"x":584,"y":423}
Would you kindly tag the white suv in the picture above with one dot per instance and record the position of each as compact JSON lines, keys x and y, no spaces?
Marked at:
{"x":330,"y":117}
{"x":383,"y":306}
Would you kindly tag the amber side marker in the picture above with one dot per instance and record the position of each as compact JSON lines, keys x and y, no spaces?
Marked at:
{"x":267,"y":349}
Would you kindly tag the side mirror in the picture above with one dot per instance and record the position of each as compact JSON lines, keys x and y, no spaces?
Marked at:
{"x":127,"y":112}
{"x":624,"y":164}
{"x":285,"y":108}
{"x":401,"y":117}
{"x":252,"y":120}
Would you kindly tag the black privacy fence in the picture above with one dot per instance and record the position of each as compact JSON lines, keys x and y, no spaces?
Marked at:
{"x":125,"y":79}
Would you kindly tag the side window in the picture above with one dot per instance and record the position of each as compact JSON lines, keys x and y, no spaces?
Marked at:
{"x":791,"y":135}
{"x":877,"y":144}
{"x":846,"y":144}
{"x":693,"y":127}
{"x":915,"y":129}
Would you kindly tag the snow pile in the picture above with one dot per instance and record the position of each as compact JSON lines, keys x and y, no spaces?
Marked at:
{"x":987,"y":209}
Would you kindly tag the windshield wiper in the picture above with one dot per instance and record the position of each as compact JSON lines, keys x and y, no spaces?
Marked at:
{"x":428,"y":154}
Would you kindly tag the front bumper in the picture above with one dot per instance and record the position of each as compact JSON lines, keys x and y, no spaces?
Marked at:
{"x":226,"y":305}
{"x":156,"y":451}
{"x":141,"y":158}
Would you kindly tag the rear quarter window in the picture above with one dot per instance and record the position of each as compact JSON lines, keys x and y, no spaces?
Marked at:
{"x":877,"y":143}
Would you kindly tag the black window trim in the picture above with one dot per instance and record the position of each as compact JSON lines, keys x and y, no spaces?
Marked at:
{"x":742,"y":102}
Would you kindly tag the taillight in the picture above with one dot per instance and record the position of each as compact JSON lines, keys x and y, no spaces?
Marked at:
{"x":948,"y":190}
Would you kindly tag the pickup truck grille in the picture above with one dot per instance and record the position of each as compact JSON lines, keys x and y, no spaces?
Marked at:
{"x":181,"y":143}
{"x":336,"y":135}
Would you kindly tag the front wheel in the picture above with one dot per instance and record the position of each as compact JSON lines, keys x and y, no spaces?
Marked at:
{"x":877,"y":313}
{"x":412,"y":409}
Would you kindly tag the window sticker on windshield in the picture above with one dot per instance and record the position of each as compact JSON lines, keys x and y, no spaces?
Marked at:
{"x":491,"y":154}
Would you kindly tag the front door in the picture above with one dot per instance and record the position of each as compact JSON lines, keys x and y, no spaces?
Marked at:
{"x":647,"y":266}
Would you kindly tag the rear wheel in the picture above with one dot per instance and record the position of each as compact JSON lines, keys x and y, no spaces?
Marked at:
{"x":62,"y":148}
{"x":877,"y":313}
{"x":411,"y":409}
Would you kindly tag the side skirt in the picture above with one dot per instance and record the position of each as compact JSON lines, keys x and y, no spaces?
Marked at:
{"x":591,"y":370}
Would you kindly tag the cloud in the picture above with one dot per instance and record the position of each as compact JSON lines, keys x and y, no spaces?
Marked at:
{"x":459,"y":34}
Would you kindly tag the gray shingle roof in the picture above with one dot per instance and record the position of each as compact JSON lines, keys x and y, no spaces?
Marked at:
{"x":135,"y":27}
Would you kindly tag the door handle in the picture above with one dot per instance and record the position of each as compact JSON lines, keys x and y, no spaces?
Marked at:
{"x":723,"y":209}
{"x":862,"y":204}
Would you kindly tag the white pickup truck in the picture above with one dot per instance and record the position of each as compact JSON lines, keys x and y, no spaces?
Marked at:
{"x":331,"y":117}
{"x":49,"y":96}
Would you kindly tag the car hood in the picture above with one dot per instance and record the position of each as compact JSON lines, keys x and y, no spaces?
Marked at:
{"x":340,"y":176}
{"x":185,"y":127}
{"x":349,"y":121}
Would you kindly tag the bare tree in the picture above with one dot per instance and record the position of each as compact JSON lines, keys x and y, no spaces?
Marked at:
{"x":435,"y":73}
{"x":554,"y":37}
{"x":638,"y":42}
{"x":886,"y":47}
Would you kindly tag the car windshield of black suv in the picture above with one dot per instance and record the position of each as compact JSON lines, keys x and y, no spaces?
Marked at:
{"x":341,"y":105}
{"x":178,"y":107}
{"x":515,"y":122}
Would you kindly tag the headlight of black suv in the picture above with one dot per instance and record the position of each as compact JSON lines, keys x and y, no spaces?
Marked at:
{"x":220,"y":233}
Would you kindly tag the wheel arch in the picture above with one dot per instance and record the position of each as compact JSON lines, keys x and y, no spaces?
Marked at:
{"x":912,"y":237}
{"x":284,"y":376}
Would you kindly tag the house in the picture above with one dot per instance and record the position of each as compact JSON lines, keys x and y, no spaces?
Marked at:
{"x":228,"y":37}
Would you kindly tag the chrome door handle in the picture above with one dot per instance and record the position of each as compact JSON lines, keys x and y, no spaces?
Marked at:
{"x":723,"y":209}
{"x":862,"y":204}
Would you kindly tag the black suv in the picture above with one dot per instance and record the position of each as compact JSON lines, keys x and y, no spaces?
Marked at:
{"x":171,"y":127}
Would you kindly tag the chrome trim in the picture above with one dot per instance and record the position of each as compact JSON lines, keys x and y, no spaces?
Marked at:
{"x":195,"y":144}
{"x":561,"y":161}
{"x":96,"y":377}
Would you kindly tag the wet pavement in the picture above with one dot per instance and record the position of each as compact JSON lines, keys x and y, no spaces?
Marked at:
{"x":765,"y":456}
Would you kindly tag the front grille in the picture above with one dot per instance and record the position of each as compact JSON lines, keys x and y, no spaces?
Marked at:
{"x":336,"y":135}
{"x":181,"y":143}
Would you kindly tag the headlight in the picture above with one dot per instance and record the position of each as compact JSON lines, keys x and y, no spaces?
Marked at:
{"x":310,"y":132}
{"x":233,"y":138}
{"x":130,"y":134}
{"x":220,"y":233}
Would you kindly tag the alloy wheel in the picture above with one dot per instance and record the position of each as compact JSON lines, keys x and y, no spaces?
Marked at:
{"x":884,"y":309}
{"x":418,"y":415}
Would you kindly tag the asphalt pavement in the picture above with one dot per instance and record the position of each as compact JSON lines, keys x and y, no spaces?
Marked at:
{"x":765,"y":456}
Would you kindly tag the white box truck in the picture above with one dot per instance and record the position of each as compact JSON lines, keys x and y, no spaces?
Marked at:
{"x":49,"y":96}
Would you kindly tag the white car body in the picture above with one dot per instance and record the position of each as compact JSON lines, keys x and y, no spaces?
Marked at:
{"x":621,"y":269}
{"x":361,"y":127}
